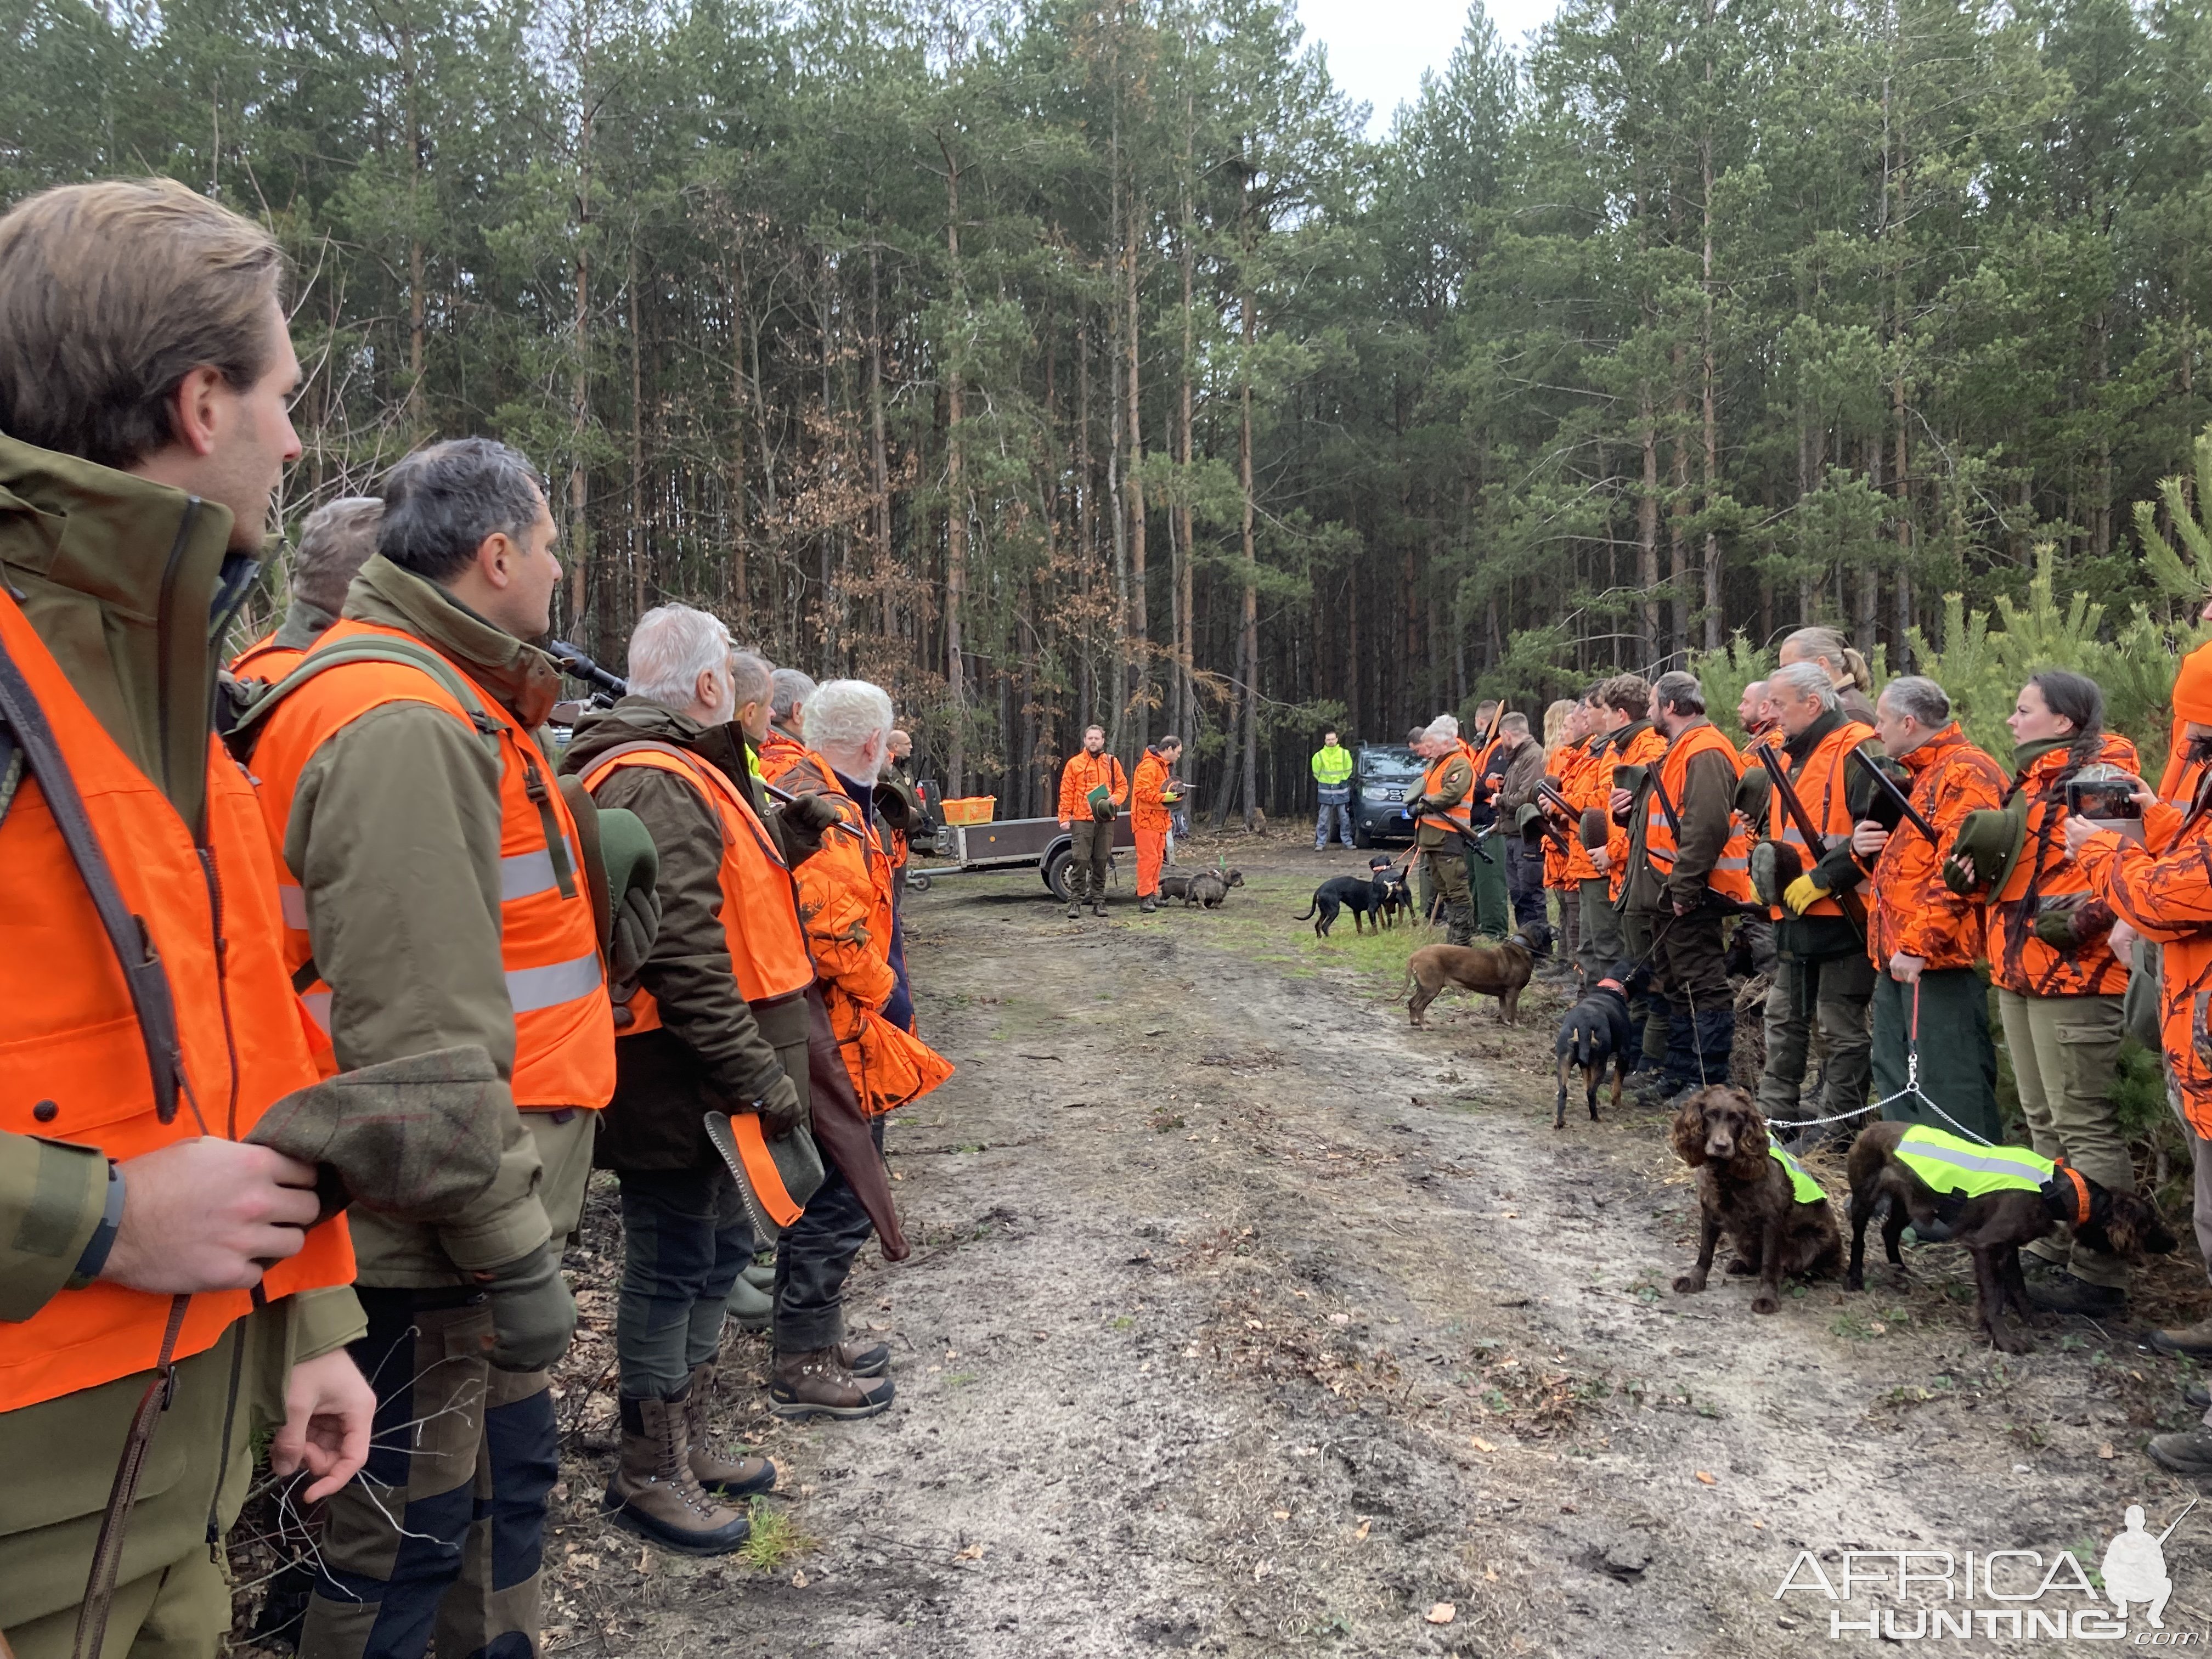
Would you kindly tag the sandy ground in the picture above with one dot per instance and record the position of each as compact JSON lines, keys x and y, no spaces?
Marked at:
{"x":1245,"y":1320}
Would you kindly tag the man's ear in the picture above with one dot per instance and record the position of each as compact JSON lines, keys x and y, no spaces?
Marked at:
{"x":495,"y":558}
{"x":194,"y":413}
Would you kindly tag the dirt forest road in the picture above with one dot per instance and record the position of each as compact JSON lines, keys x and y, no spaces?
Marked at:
{"x":1245,"y":1320}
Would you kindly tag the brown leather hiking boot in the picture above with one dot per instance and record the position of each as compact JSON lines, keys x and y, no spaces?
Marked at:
{"x":720,"y":1476}
{"x":652,"y":1492}
{"x":816,"y":1383}
{"x":863,"y":1357}
{"x":2194,"y":1341}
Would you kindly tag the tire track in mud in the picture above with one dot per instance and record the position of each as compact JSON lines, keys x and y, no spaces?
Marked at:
{"x":1245,"y":1320}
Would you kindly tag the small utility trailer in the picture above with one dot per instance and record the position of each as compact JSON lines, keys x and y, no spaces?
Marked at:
{"x":1038,"y":844}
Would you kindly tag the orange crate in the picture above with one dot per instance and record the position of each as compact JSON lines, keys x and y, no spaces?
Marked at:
{"x":971,"y":809}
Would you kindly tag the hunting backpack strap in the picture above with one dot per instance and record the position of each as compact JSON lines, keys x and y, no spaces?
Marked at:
{"x":31,"y":740}
{"x":256,"y":707}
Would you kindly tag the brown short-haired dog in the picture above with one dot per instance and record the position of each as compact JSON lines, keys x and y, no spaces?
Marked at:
{"x":1748,"y":1192}
{"x":1991,"y":1227}
{"x":1500,"y":968}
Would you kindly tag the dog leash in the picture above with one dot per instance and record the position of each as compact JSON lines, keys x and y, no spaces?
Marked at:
{"x":1912,"y":1090}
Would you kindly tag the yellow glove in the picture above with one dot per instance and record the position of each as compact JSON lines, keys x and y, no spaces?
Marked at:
{"x":1803,"y":893}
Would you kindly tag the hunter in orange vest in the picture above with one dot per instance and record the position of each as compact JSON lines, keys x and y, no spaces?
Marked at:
{"x":1689,"y":871}
{"x":1822,"y":972}
{"x":162,"y":1286}
{"x":334,"y":544}
{"x":1152,"y":815}
{"x":1924,"y":938}
{"x":437,"y":896}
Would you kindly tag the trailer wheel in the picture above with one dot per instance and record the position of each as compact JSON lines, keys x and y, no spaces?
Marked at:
{"x":1055,"y":871}
{"x":916,"y":881}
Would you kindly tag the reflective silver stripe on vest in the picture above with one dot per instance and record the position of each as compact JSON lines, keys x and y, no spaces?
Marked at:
{"x":317,"y":1004}
{"x":293,"y":904}
{"x":531,"y":988}
{"x":525,"y":873}
{"x":1732,"y":864}
{"x":1961,"y":1157}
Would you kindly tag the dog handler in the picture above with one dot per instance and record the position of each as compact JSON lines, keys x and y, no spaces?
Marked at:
{"x":1687,"y":862}
{"x":1152,"y":816}
{"x":1092,"y":789}
{"x":144,"y":374}
{"x":1923,"y":938}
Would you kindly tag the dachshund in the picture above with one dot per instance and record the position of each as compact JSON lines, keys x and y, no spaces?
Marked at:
{"x":1992,"y":1225}
{"x":1748,"y":1189}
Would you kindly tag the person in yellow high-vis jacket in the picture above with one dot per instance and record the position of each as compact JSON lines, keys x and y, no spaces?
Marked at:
{"x":1332,"y":774}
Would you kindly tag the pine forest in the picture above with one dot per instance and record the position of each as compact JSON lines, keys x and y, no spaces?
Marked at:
{"x":1053,"y":363}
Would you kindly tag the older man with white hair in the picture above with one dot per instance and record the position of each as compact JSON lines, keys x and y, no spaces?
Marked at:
{"x":719,"y":1021}
{"x":845,"y":896}
{"x":1442,"y":815}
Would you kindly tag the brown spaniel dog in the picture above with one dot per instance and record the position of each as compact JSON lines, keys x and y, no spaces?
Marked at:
{"x":1746,"y":1191}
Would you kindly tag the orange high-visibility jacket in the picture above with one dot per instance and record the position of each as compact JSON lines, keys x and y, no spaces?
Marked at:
{"x":73,"y":1068}
{"x":2020,"y":962}
{"x":1084,"y":773}
{"x":2164,"y":891}
{"x":1913,"y":910}
{"x":1638,"y":744}
{"x":564,"y":1053}
{"x":759,"y":912}
{"x":1820,"y":781}
{"x":1146,"y":811}
{"x":1731,"y":872}
{"x":1586,"y":781}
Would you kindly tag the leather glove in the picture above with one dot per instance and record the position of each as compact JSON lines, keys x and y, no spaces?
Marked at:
{"x":1803,"y":893}
{"x":637,"y":924}
{"x":780,"y":1109}
{"x":532,"y":1315}
{"x":806,"y":819}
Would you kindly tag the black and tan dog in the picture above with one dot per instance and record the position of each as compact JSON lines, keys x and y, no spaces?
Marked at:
{"x":1775,"y":1215}
{"x":1596,"y":1029}
{"x":1991,"y":1200}
{"x":1363,"y":895}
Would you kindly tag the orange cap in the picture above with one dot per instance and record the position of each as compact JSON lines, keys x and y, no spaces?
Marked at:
{"x":2192,"y":686}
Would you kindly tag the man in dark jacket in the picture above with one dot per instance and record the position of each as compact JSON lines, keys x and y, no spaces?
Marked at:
{"x":1518,"y":762}
{"x":686,"y":1235}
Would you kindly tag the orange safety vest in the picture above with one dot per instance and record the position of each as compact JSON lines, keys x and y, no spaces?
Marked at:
{"x":564,"y":1052}
{"x":1458,"y":817}
{"x":266,"y":659}
{"x":2019,"y":961}
{"x":1820,"y":785}
{"x":1731,"y":871}
{"x":1646,"y":748}
{"x":759,"y":918}
{"x":74,"y":1069}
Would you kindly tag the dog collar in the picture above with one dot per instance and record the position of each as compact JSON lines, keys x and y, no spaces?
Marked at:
{"x":2067,"y":1193}
{"x":1614,"y":983}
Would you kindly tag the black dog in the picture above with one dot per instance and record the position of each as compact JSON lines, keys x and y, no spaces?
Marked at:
{"x":1595,"y":1030}
{"x":1363,"y":896}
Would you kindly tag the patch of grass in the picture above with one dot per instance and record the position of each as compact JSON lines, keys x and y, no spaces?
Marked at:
{"x":1121,"y":1322}
{"x":1850,"y":1325}
{"x":775,"y":1539}
{"x":960,"y":1379}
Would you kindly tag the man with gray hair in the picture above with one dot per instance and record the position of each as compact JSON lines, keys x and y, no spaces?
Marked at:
{"x":1523,"y":769}
{"x":720,"y":1022}
{"x":1822,"y":972}
{"x":334,"y":544}
{"x":1924,"y":938}
{"x":429,"y":864}
{"x":789,"y":691}
{"x":1444,"y":827}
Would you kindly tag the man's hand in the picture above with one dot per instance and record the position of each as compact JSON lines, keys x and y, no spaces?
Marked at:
{"x":1905,"y":970}
{"x":328,"y":1408}
{"x":1682,"y":909}
{"x":2121,"y":939}
{"x":2079,"y":831}
{"x":1600,"y":859}
{"x":1064,"y":824}
{"x":206,"y":1215}
{"x":780,"y":1109}
{"x":1619,"y":801}
{"x":816,"y":813}
{"x":1868,"y":838}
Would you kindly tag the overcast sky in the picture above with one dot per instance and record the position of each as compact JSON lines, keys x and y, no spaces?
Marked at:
{"x":1378,"y":48}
